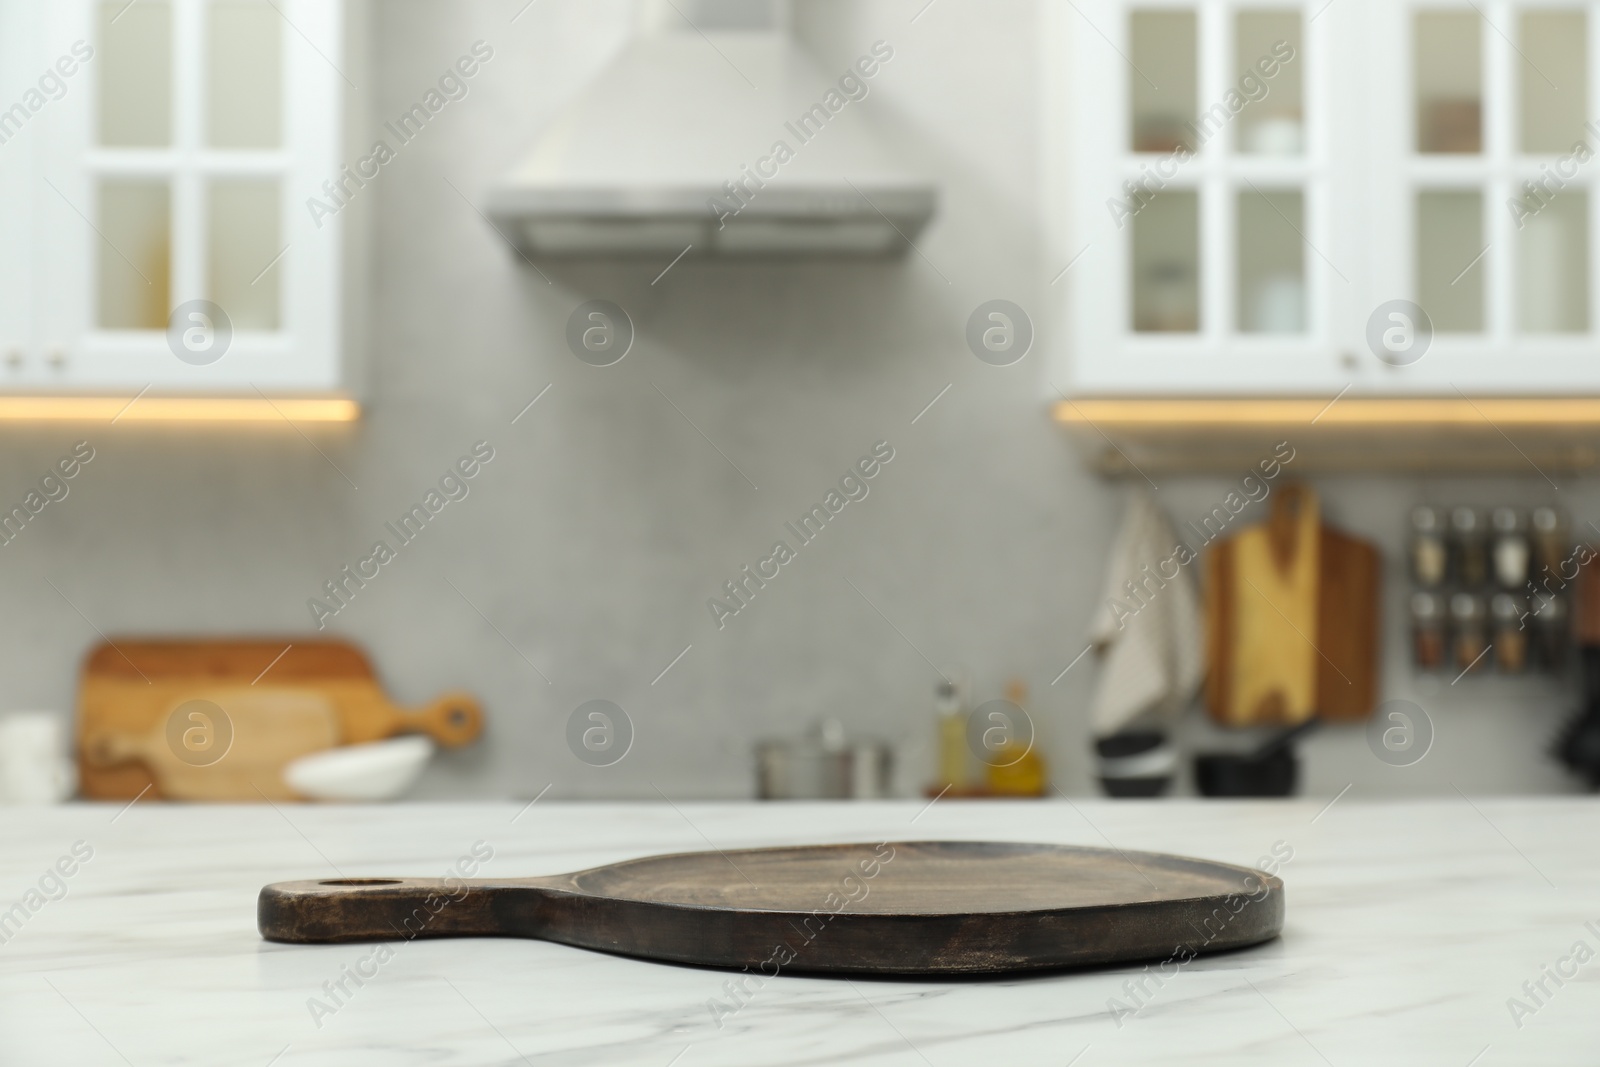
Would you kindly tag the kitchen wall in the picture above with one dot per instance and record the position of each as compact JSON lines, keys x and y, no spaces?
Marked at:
{"x":593,"y":539}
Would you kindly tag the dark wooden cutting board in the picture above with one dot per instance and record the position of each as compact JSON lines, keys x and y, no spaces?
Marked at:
{"x":921,"y":907}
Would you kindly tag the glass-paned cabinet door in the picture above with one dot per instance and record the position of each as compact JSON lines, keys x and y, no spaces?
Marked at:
{"x":173,"y":242}
{"x":17,"y":77}
{"x":1482,"y":192}
{"x":1207,"y":249}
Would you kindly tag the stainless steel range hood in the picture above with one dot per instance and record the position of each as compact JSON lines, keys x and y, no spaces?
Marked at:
{"x":713,"y":132}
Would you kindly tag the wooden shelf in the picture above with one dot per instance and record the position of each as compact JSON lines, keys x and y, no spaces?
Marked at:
{"x":1424,"y":434}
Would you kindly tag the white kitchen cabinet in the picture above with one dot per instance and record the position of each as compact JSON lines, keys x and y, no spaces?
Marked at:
{"x":158,"y":175}
{"x":16,"y":178}
{"x":1243,"y":189}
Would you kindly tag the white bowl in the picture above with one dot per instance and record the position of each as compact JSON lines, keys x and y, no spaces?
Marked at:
{"x":381,"y":770}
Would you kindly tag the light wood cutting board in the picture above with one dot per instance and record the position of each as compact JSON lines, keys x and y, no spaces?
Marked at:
{"x":1291,"y":619}
{"x":286,"y":697}
{"x":224,"y":744}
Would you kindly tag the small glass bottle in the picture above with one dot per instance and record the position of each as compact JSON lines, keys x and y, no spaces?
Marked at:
{"x":1509,"y":549}
{"x":1470,"y":636}
{"x":1551,"y":635}
{"x":1427,"y":631}
{"x":947,"y":704}
{"x":1470,"y":548}
{"x":1549,"y":541}
{"x":1510,"y":637}
{"x":1018,"y":770}
{"x":1430,"y":558}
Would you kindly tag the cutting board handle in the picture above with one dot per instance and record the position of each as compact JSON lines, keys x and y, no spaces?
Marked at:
{"x":455,"y":719}
{"x":386,"y":909}
{"x":1293,"y":508}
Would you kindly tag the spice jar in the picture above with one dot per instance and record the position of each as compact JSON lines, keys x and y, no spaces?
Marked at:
{"x":1470,"y":548}
{"x":1510,"y":639}
{"x":1471,"y":636}
{"x":1550,"y":632}
{"x":1430,"y":558}
{"x":1549,"y":541}
{"x":1509,"y":549}
{"x":1427,"y":631}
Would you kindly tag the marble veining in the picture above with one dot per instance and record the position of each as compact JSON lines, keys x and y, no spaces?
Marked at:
{"x":1411,"y":927}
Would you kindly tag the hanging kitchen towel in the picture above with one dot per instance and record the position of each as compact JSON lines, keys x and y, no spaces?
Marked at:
{"x":1147,"y":630}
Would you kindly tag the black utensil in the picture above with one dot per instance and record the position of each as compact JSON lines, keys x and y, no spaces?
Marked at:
{"x":1135,"y":763}
{"x":1272,"y":770}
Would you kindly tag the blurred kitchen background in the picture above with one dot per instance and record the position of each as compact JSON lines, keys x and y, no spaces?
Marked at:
{"x":580,"y":563}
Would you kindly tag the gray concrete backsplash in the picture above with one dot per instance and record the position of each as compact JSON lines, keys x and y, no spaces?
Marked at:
{"x":578,"y":562}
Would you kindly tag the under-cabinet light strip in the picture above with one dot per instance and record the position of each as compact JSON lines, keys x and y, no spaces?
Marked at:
{"x":1394,"y":412}
{"x":176,"y":409}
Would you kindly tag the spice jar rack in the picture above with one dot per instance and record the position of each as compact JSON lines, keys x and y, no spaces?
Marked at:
{"x":1490,"y":589}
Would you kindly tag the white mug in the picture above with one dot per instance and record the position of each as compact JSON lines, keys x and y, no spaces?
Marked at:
{"x":34,"y":766}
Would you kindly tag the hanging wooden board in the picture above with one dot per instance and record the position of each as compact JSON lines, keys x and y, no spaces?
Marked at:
{"x":130,"y":689}
{"x":925,"y":907}
{"x":1348,"y":624}
{"x":1263,"y":604}
{"x":1292,"y":611}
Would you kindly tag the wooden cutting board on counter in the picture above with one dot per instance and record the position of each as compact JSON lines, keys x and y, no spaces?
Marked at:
{"x":1292,"y":618}
{"x":920,"y":907}
{"x":203,"y":752}
{"x":158,"y":713}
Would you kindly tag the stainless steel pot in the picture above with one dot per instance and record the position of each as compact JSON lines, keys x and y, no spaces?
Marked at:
{"x":823,"y":765}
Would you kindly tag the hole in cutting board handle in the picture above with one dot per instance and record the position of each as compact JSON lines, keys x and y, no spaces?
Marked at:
{"x":359,"y":881}
{"x":455,"y":719}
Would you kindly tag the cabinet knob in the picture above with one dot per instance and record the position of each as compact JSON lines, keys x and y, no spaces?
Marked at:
{"x":14,"y":358}
{"x":57,"y":357}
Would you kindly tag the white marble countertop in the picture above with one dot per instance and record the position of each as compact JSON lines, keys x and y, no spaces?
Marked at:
{"x":1410,"y":926}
